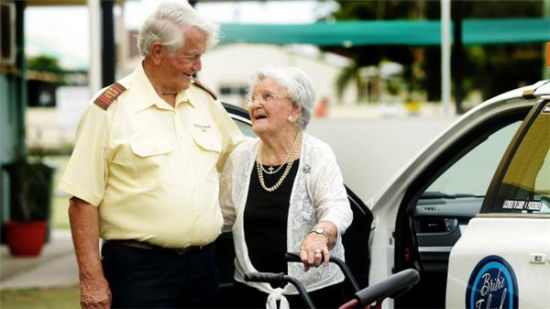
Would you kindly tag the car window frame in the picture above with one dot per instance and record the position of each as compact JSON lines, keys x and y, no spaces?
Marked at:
{"x":505,"y":162}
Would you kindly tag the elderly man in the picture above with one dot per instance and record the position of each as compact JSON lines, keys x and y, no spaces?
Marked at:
{"x":143,"y":175}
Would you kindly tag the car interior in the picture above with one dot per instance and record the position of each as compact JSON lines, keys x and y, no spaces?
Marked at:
{"x":438,"y":205}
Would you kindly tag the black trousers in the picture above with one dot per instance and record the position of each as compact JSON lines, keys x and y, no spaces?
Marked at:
{"x":141,"y":278}
{"x":332,"y":296}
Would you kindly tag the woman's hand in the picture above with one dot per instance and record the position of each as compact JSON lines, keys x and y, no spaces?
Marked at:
{"x":315,"y":247}
{"x":314,"y":250}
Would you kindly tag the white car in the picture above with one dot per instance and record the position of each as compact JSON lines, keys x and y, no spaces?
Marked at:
{"x":478,"y":231}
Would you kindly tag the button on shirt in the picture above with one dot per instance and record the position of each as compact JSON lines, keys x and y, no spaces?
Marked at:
{"x":152,"y":169}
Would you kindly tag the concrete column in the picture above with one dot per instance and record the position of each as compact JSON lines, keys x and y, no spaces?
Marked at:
{"x":94,"y":73}
{"x":122,"y":51}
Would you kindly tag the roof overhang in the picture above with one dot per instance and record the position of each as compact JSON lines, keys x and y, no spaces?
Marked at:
{"x":389,"y":32}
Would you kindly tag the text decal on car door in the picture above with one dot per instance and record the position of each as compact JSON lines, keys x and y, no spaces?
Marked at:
{"x":492,"y":284}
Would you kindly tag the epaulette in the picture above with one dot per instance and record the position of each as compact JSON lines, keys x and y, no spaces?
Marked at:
{"x":109,"y":95}
{"x":199,"y":84}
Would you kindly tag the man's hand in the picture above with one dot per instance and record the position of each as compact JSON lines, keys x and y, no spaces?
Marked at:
{"x":95,"y":293}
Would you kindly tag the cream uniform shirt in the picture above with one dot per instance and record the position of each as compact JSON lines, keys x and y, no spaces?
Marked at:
{"x":152,"y":169}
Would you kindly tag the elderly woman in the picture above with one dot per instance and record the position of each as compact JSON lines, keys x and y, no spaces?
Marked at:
{"x":283,"y":192}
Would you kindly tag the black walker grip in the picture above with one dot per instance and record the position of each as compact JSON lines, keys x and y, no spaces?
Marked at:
{"x":392,"y":287}
{"x":265,"y":277}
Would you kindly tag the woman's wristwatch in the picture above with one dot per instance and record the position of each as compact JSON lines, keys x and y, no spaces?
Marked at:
{"x":320,"y":232}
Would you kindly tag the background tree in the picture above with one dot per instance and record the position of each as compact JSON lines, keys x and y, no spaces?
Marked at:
{"x":43,"y":63}
{"x":514,"y":64}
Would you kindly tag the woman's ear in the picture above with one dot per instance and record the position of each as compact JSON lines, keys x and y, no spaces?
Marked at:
{"x":296,"y":113}
{"x":157,"y":52}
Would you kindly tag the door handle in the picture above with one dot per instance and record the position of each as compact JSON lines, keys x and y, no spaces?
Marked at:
{"x":537,"y":258}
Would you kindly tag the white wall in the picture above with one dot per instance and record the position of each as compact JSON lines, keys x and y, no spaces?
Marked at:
{"x":233,"y":64}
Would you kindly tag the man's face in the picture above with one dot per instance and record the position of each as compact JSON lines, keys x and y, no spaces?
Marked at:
{"x":177,"y":71}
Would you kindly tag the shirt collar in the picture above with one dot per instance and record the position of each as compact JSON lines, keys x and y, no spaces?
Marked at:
{"x":150,"y":97}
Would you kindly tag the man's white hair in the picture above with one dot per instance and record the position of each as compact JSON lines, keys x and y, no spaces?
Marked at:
{"x":166,"y":23}
{"x":297,"y":84}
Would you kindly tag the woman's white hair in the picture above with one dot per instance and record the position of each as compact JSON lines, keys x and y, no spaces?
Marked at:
{"x":165,"y":26}
{"x":297,"y":84}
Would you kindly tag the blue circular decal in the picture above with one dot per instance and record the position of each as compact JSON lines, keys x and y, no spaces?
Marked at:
{"x":492,"y":284}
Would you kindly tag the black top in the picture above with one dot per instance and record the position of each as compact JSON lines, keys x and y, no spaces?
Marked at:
{"x":265,"y":220}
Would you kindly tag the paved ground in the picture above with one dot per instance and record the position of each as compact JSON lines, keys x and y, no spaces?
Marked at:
{"x":55,"y":267}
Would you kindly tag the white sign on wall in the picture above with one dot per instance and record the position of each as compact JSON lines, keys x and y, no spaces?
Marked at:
{"x":71,"y":103}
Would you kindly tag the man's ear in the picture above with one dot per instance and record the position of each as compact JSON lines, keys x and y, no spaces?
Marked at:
{"x":157,"y":52}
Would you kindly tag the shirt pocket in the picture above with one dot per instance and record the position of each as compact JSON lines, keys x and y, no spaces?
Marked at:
{"x":149,"y":147}
{"x":209,"y":148}
{"x":151,"y":158}
{"x":207,"y":140}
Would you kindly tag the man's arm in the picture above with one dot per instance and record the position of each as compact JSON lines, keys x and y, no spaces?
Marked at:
{"x":94,"y":289}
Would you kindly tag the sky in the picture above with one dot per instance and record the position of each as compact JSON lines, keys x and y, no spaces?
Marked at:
{"x":67,"y":33}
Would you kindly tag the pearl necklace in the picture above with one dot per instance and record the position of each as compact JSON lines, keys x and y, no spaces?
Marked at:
{"x":289,"y":162}
{"x":270,"y":170}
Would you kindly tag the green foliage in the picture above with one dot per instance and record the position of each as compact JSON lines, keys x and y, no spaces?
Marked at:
{"x":30,"y":189}
{"x":491,"y":69}
{"x":347,"y":75}
{"x":43,"y":63}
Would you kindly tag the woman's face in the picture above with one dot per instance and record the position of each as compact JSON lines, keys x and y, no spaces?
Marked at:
{"x":270,"y":107}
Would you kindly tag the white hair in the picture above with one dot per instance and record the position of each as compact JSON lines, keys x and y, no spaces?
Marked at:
{"x":165,"y":26}
{"x":297,"y":84}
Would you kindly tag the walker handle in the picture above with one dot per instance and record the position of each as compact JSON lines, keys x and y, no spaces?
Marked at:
{"x":294,"y":257}
{"x":392,"y":286}
{"x":265,"y":277}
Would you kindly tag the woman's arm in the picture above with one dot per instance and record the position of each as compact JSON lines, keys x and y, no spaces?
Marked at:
{"x":330,"y":200}
{"x":226,"y":194}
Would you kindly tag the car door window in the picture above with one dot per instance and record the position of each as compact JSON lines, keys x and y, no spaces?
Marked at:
{"x":525,"y":186}
{"x":245,"y":128}
{"x":455,"y":196}
{"x":470,"y":176}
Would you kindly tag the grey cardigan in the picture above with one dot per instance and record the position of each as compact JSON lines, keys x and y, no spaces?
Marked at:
{"x":318,"y":193}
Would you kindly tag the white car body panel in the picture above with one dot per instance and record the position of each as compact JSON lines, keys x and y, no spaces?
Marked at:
{"x":515,"y":239}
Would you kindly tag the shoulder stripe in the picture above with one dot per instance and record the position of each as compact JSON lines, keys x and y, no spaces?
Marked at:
{"x":199,"y":84}
{"x":109,"y":95}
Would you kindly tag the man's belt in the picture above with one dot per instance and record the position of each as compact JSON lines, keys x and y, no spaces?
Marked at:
{"x":132,"y":243}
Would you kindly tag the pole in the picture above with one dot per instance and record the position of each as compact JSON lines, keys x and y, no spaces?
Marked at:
{"x":94,"y":72}
{"x":457,"y":55}
{"x":445,"y":57}
{"x":108,"y":43}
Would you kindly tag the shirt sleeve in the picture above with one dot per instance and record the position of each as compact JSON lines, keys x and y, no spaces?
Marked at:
{"x":86,"y":173}
{"x":226,"y":194}
{"x":328,"y":192}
